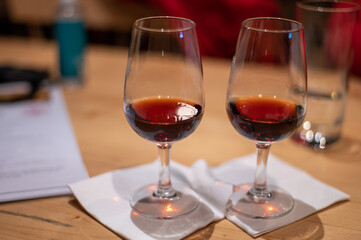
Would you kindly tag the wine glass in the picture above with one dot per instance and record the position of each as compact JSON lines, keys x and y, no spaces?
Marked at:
{"x":164,"y":103}
{"x":266,"y":102}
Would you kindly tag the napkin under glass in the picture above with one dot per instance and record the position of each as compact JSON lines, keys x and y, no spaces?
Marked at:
{"x":106,"y":197}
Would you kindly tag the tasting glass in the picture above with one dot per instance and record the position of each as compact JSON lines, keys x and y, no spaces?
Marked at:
{"x":164,"y":103}
{"x":266,"y":102}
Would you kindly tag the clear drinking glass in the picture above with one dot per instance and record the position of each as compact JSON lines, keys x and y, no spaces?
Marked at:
{"x":266,"y":102}
{"x":164,"y":103}
{"x":329,"y":27}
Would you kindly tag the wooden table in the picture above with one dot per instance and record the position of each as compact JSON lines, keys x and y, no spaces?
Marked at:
{"x":107,"y":143}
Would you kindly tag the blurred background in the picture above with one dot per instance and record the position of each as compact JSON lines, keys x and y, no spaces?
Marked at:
{"x":109,"y":22}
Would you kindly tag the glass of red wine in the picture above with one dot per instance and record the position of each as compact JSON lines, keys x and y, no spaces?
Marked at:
{"x":266,"y":102}
{"x":164,"y":103}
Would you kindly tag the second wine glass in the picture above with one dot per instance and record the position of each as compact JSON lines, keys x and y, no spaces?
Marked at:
{"x":164,"y":103}
{"x":266,"y":102}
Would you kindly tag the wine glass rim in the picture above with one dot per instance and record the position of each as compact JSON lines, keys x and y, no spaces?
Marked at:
{"x":192,"y":24}
{"x":306,"y":5}
{"x":298,"y":25}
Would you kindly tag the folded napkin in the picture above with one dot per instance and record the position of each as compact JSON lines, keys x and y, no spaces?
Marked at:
{"x":309,"y":194}
{"x":106,"y":197}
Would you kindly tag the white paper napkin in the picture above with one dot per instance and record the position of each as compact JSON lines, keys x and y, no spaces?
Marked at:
{"x":106,"y":197}
{"x":309,"y":194}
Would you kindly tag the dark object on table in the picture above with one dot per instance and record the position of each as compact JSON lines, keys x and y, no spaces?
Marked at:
{"x":22,"y":84}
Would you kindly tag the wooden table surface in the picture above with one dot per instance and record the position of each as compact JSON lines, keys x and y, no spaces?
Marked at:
{"x":107,"y":142}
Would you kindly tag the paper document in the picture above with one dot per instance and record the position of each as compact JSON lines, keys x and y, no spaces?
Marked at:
{"x":39,"y":155}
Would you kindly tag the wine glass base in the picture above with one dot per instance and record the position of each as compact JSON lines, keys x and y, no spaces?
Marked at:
{"x":277,"y":204}
{"x":146,"y":203}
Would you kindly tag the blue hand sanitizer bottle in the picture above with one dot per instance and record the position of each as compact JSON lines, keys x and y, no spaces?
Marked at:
{"x":71,"y":39}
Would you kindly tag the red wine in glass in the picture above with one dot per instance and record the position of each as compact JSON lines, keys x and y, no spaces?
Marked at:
{"x":264,"y":119}
{"x":163,"y":119}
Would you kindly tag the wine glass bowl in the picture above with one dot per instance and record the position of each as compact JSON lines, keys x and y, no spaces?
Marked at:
{"x":164,"y":103}
{"x":264,"y":119}
{"x":162,"y":119}
{"x":266,"y":102}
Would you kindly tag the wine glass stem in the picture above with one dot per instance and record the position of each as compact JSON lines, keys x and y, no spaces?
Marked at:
{"x":259,"y":190}
{"x":164,"y":187}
